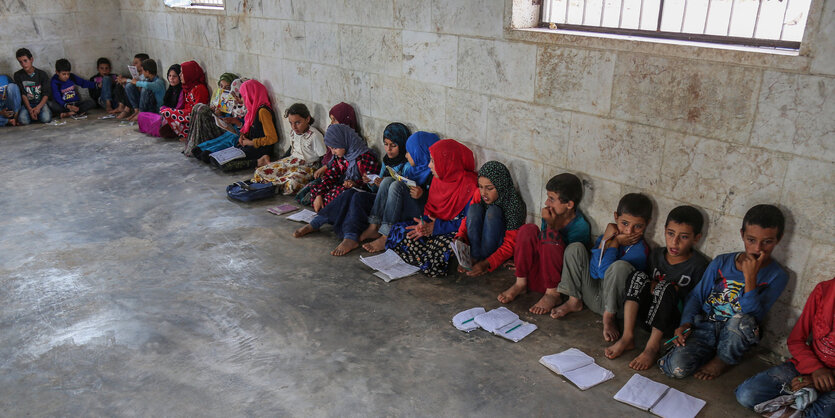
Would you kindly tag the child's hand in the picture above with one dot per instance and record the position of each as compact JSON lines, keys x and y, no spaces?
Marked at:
{"x":349,"y":184}
{"x":421,"y":229}
{"x":365,"y":179}
{"x":232,"y":121}
{"x":416,"y":192}
{"x":610,"y":232}
{"x":6,"y":113}
{"x":749,"y":266}
{"x":824,"y":379}
{"x":801,"y":382}
{"x":321,"y":170}
{"x":244,"y":141}
{"x":479,"y":268}
{"x":548,"y":215}
{"x":682,"y":336}
{"x":33,"y":112}
{"x":377,"y":181}
{"x":72,"y":108}
{"x":628,"y":239}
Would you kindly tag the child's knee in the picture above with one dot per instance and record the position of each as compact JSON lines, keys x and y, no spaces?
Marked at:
{"x":494,"y":212}
{"x":619,"y":270}
{"x":746,"y":395}
{"x":745,"y":326}
{"x":527,"y":231}
{"x":674,"y":365}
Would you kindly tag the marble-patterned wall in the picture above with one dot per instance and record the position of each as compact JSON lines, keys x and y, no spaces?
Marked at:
{"x":79,"y":30}
{"x":722,"y":130}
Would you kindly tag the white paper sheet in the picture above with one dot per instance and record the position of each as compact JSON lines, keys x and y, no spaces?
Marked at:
{"x":495,"y":319}
{"x":516,"y":330}
{"x":304,"y":215}
{"x":465,"y":321}
{"x":462,"y":252}
{"x":566,"y":361}
{"x":227,"y":154}
{"x":641,"y":392}
{"x":390,"y":265}
{"x":677,"y":404}
{"x":589,"y":376}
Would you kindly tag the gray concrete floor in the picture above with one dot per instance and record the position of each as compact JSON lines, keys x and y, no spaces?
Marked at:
{"x":132,"y":287}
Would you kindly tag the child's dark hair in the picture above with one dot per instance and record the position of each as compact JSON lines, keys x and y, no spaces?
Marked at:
{"x":567,"y":186}
{"x":765,"y":216}
{"x":635,"y":204}
{"x":299,"y":109}
{"x":23,"y":52}
{"x":62,"y":64}
{"x":142,"y":56}
{"x":687,"y":215}
{"x":150,"y":66}
{"x":103,"y":60}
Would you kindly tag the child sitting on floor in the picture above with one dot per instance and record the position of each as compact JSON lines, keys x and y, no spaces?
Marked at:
{"x":397,"y":202}
{"x":150,"y":93}
{"x":66,"y":99}
{"x":124,"y":89}
{"x":104,"y":79}
{"x":203,"y":126}
{"x":723,"y":312}
{"x":599,"y":280}
{"x":34,"y":89}
{"x":307,"y":146}
{"x":538,"y":255}
{"x":9,"y":101}
{"x":426,"y":241}
{"x":195,"y":91}
{"x":258,"y":134}
{"x":228,"y":138}
{"x":812,"y":364}
{"x":496,"y":212}
{"x":349,"y":212}
{"x":654,"y":296}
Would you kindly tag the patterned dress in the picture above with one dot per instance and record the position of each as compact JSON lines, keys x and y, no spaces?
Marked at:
{"x":331,"y":184}
{"x":431,"y":254}
{"x":291,"y":173}
{"x":179,"y":119}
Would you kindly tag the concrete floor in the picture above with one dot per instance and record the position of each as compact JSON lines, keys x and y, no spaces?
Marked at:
{"x":132,"y":287}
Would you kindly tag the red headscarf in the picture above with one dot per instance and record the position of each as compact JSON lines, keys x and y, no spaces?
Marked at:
{"x":255,"y":95}
{"x":193,"y":75}
{"x":453,"y":187}
{"x":344,"y":114}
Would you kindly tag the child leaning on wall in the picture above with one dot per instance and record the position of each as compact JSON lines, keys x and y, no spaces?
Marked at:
{"x":34,"y":89}
{"x":66,"y":99}
{"x":9,"y":101}
{"x":105,"y":81}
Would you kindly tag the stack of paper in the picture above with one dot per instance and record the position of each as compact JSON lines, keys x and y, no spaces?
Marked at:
{"x":577,"y":367}
{"x":389,"y":266}
{"x":658,"y":398}
{"x":465,"y":321}
{"x":282,"y":209}
{"x":501,"y":322}
{"x":305,"y":215}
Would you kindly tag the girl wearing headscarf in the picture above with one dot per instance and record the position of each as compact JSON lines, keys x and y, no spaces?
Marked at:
{"x":397,"y":202}
{"x":229,"y":137}
{"x":307,"y":146}
{"x":349,"y":211}
{"x":341,"y":113}
{"x":150,"y":122}
{"x":426,"y":244}
{"x":352,"y":160}
{"x":172,"y":94}
{"x":258,"y":133}
{"x":194,"y":91}
{"x":495,"y":215}
{"x":203,"y":126}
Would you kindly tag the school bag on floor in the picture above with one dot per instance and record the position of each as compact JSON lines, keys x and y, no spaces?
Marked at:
{"x":247,"y":191}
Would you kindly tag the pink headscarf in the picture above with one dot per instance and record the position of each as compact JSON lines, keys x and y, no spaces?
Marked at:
{"x":255,"y":95}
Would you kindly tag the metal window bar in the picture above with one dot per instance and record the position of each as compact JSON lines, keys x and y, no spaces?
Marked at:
{"x":680,"y":35}
{"x":208,"y":3}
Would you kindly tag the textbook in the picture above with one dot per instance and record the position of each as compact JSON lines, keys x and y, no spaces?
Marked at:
{"x":398,"y":177}
{"x":578,"y":367}
{"x":389,"y":266}
{"x":225,"y":102}
{"x":465,"y":321}
{"x":305,"y":215}
{"x":133,"y":72}
{"x":504,"y":323}
{"x":282,"y":209}
{"x":223,"y":125}
{"x":462,"y":252}
{"x":658,"y":398}
{"x":228,"y":154}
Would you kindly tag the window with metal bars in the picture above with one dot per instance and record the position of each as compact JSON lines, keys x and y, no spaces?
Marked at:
{"x":195,"y":3}
{"x":762,"y":23}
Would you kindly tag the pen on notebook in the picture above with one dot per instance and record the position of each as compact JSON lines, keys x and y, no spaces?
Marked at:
{"x":671,"y":339}
{"x":508,"y":331}
{"x":469,"y":320}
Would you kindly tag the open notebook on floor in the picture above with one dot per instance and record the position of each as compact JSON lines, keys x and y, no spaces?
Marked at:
{"x":504,"y":323}
{"x":227,"y":154}
{"x":658,"y":398}
{"x":389,"y":266}
{"x":578,"y":367}
{"x":304,"y":215}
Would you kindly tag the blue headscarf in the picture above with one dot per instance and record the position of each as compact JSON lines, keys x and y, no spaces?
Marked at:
{"x":343,"y":136}
{"x":398,"y":133}
{"x":418,"y":147}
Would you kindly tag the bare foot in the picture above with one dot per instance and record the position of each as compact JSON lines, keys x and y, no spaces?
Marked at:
{"x":377,"y":245}
{"x":610,"y":327}
{"x":573,"y":305}
{"x":622,"y":345}
{"x":370,"y":233}
{"x":711,"y":370}
{"x":547,"y":302}
{"x":344,"y":247}
{"x":125,"y":113}
{"x":508,"y":295}
{"x":645,"y":360}
{"x":263,"y":161}
{"x":134,"y":115}
{"x":303,"y":231}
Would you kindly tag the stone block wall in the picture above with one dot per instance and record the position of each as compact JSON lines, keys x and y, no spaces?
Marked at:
{"x":79,"y":30}
{"x":716,"y":128}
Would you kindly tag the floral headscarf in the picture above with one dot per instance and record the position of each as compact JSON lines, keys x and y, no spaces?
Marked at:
{"x":513,"y":207}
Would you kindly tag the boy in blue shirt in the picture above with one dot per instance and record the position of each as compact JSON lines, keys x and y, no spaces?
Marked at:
{"x":9,"y":101}
{"x":66,"y":99}
{"x":721,"y":316}
{"x":150,"y":91}
{"x":599,"y":280}
{"x":538,"y":254}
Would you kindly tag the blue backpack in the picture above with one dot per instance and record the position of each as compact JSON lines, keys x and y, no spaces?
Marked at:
{"x":246,"y":191}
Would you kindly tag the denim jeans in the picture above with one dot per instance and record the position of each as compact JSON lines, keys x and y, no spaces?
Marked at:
{"x":44,"y":116}
{"x":394,"y":204}
{"x":728,"y":340}
{"x":348,"y":213}
{"x":11,"y":102}
{"x":106,"y":92}
{"x":768,"y":385}
{"x":142,"y":99}
{"x":485,"y":230}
